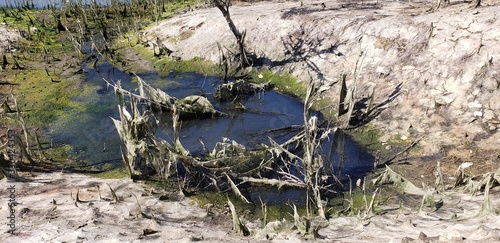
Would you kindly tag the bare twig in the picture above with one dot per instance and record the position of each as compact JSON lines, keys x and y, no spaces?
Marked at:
{"x":238,"y":226}
{"x":408,"y":148}
{"x":26,"y":147}
{"x":274,"y":182}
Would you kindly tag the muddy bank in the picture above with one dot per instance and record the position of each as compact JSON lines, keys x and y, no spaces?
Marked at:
{"x":432,"y":73}
{"x":47,"y":212}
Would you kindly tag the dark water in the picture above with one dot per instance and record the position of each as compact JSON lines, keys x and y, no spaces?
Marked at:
{"x":92,"y":134}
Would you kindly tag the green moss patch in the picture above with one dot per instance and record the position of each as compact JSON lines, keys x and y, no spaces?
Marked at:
{"x":111,"y":172}
{"x":248,"y":211}
{"x":41,"y":100}
{"x":285,"y":82}
{"x":367,"y":135}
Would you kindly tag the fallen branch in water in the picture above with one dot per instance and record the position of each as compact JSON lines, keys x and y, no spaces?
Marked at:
{"x":190,"y":107}
{"x":292,"y":127}
{"x":274,"y":182}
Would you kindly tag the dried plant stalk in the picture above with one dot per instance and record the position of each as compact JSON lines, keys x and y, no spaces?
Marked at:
{"x":238,"y":226}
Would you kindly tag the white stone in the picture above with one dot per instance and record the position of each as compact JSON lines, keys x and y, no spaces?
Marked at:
{"x":435,"y":92}
{"x":384,"y":138}
{"x":444,"y":100}
{"x":453,"y":234}
{"x":478,"y":113}
{"x":475,"y":104}
{"x":495,"y":102}
{"x":425,"y":102}
{"x":476,"y":92}
{"x":488,"y":114}
{"x":408,"y":67}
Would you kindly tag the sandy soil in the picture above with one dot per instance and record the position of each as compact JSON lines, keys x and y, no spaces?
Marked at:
{"x":47,"y":212}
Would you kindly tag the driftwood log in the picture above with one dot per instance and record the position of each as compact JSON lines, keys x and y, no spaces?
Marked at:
{"x":189,"y":108}
{"x":239,"y":88}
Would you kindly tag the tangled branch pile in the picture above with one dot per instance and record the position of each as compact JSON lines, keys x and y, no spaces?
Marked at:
{"x":229,"y":164}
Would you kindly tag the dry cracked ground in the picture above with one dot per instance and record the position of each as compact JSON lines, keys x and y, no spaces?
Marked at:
{"x":47,"y":212}
{"x":434,"y":77}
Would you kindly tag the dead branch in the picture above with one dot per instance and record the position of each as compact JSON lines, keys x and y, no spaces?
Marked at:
{"x":236,"y":191}
{"x":389,"y":161}
{"x":25,"y":149}
{"x":343,"y":94}
{"x":223,"y":6}
{"x":238,"y":226}
{"x":273,"y":182}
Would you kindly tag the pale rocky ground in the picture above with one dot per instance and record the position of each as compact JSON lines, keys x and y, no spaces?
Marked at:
{"x":436,"y":71}
{"x":47,"y":213}
{"x":6,"y":36}
{"x":39,"y":219}
{"x":448,"y":70}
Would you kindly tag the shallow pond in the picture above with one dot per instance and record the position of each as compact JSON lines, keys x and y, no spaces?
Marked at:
{"x":91,"y":133}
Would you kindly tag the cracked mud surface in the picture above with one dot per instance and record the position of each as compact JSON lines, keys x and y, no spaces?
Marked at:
{"x":47,"y":212}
